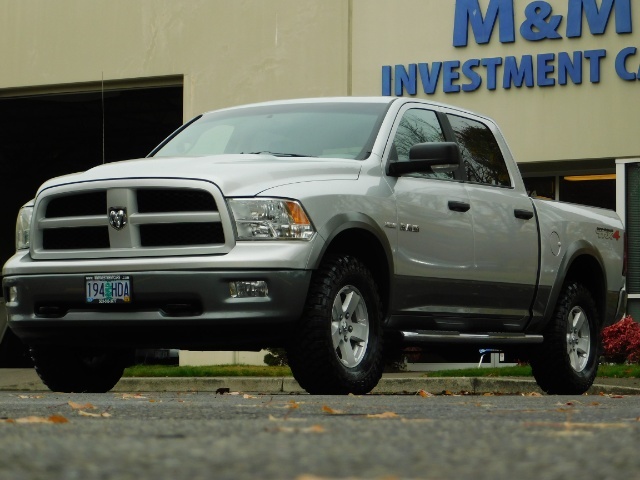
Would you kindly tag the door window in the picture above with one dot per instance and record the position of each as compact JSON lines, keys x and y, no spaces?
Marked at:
{"x":417,"y":126}
{"x":481,"y":154}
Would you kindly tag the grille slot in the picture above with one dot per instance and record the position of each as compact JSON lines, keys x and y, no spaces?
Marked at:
{"x":75,"y":238}
{"x":155,"y":200}
{"x":81,"y":204}
{"x":180,"y":234}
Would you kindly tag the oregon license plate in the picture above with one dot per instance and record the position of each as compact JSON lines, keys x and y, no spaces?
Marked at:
{"x":108,"y":289}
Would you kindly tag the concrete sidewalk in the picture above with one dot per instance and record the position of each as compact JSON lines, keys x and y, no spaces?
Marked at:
{"x":391,"y":383}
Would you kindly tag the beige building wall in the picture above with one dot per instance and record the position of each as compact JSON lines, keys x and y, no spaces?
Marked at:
{"x":229,"y":52}
{"x":194,"y":358}
{"x":542,"y":123}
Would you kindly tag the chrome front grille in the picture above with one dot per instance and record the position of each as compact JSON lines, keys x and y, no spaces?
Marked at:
{"x":164,"y":217}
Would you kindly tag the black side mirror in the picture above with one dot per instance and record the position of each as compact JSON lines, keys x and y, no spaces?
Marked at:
{"x":423,"y":157}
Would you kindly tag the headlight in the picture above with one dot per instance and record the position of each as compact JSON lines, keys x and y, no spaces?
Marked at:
{"x":270,"y":219}
{"x":22,"y":227}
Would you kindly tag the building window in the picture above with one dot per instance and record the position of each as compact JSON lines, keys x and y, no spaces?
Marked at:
{"x":541,"y":187}
{"x":591,"y":190}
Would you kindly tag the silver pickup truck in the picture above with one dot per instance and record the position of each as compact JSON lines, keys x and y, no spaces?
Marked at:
{"x":342,"y":229}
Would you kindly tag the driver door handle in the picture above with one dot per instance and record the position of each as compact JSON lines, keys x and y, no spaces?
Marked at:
{"x":523,"y":214}
{"x":459,"y":206}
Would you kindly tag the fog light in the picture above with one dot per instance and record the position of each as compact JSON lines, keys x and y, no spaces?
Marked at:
{"x":246,"y":289}
{"x":13,"y":294}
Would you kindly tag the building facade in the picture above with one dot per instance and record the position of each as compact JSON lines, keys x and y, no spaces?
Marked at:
{"x":86,"y":82}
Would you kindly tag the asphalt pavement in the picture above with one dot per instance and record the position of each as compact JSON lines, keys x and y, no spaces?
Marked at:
{"x":26,"y":379}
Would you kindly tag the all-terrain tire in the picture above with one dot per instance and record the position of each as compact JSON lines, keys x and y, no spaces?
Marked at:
{"x":567,"y":361}
{"x":338,"y":344}
{"x":75,"y":370}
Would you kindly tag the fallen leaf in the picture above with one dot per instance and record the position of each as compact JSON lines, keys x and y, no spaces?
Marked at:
{"x":96,"y":415}
{"x":133,"y":396}
{"x":246,"y":395}
{"x":79,"y":406}
{"x":223,"y":390}
{"x":330,"y":410}
{"x":51,"y":419}
{"x":383,"y":415}
{"x":610,"y":395}
{"x":58,"y":419}
{"x":532,"y":394}
{"x":424,"y":394}
{"x":293,"y":404}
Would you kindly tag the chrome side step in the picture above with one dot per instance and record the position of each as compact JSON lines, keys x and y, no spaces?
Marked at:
{"x":494,"y":338}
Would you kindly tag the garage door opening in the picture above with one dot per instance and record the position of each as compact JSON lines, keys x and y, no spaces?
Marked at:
{"x":55,"y":134}
{"x":47,"y":135}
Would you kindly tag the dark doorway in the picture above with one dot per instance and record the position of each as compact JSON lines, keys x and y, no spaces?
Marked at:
{"x":44,"y":136}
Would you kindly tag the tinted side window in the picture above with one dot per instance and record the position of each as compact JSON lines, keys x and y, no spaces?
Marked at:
{"x":417,"y":126}
{"x":481,"y":155}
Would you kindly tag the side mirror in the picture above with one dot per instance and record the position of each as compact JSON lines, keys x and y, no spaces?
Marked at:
{"x":424,"y":157}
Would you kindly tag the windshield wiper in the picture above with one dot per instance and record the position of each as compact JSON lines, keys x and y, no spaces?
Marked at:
{"x":277,"y":154}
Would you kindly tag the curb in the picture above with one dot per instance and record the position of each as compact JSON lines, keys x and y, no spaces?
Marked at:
{"x":287,"y":385}
{"x":386,"y":386}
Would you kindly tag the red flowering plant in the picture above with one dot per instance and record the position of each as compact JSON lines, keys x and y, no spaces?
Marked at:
{"x":621,"y":341}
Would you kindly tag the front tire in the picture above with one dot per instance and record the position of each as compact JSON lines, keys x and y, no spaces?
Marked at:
{"x":72,"y":370}
{"x":567,"y":361}
{"x":337,"y":347}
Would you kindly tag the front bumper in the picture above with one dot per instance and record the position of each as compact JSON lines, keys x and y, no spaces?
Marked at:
{"x":169,"y":309}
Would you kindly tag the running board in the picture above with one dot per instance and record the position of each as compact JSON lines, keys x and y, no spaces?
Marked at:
{"x":428,"y":336}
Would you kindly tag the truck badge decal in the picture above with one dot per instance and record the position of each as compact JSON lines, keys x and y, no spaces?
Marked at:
{"x":407,"y":227}
{"x":607,"y":233}
{"x":118,"y":217}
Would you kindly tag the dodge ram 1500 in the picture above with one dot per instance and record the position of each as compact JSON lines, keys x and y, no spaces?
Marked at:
{"x":340,"y":229}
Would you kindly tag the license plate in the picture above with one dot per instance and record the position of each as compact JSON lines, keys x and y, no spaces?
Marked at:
{"x":108,"y":289}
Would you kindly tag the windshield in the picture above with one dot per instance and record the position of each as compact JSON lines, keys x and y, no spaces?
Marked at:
{"x":343,"y":130}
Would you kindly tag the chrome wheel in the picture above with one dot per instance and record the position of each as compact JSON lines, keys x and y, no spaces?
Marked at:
{"x":578,"y":338}
{"x":349,"y":326}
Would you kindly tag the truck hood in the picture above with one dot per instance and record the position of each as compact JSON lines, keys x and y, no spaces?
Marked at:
{"x":235,"y":175}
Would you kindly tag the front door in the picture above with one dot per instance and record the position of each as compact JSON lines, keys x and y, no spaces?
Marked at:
{"x":434,"y":259}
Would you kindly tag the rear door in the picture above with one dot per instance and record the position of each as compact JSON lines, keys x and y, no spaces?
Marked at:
{"x":504,"y":226}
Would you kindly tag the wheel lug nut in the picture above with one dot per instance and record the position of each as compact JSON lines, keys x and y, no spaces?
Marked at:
{"x":350,"y":329}
{"x":345,"y":338}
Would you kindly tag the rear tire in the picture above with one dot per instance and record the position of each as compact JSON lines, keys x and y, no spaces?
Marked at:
{"x":337,"y":347}
{"x":78,"y":370}
{"x":567,"y":361}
